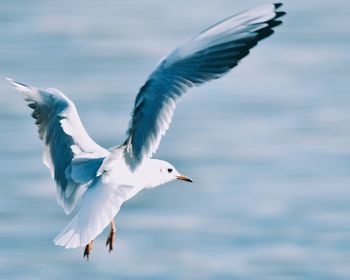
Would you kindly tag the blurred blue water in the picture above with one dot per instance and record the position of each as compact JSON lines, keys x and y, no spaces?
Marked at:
{"x":268,"y":145}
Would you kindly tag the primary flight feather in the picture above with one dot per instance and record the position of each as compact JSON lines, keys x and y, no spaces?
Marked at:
{"x":103,"y":179}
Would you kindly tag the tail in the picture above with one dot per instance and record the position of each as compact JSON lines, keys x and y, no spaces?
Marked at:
{"x":99,"y":205}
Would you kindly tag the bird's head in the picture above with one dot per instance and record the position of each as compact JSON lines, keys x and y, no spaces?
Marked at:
{"x":160,"y":172}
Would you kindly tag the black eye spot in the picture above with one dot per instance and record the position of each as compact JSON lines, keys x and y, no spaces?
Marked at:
{"x":170,"y":170}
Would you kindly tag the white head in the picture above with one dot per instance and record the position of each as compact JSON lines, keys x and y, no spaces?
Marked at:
{"x":158,"y":172}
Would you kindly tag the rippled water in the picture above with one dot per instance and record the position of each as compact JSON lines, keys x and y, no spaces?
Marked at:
{"x":268,"y":145}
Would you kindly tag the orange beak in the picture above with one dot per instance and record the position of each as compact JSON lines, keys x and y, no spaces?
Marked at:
{"x":184,"y":178}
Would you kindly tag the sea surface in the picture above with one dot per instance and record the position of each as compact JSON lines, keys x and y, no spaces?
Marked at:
{"x":268,"y":146}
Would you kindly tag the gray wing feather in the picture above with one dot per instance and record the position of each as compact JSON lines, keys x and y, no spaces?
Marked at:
{"x":208,"y":56}
{"x":66,"y":144}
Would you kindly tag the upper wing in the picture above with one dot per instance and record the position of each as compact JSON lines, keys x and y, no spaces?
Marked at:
{"x":208,"y":56}
{"x":69,"y":152}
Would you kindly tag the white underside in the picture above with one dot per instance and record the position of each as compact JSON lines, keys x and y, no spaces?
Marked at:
{"x":99,"y":205}
{"x":102,"y":200}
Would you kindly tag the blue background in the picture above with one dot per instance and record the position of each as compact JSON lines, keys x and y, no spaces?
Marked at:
{"x":268,"y":146}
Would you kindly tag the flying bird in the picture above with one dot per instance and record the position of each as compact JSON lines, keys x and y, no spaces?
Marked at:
{"x":101,"y":180}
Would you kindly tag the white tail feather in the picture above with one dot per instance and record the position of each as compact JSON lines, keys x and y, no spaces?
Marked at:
{"x":99,"y":205}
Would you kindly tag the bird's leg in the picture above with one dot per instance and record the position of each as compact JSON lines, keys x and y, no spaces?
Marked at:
{"x":87,"y":250}
{"x":111,"y":237}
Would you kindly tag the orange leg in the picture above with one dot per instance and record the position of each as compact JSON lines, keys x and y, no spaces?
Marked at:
{"x":111,"y":237}
{"x":87,"y":250}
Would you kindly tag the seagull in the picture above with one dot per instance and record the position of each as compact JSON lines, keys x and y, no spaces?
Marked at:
{"x":95,"y":181}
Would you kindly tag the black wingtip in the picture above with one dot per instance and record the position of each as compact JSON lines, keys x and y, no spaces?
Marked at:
{"x":264,"y":33}
{"x":279,"y":14}
{"x":274,"y":23}
{"x":277,"y":5}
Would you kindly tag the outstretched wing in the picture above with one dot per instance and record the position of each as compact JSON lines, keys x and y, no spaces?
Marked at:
{"x":69,"y":152}
{"x":208,"y":56}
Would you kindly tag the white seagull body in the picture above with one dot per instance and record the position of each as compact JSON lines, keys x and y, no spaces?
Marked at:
{"x":100,"y":179}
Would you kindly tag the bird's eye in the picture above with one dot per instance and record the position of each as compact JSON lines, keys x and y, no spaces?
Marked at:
{"x":170,"y":170}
